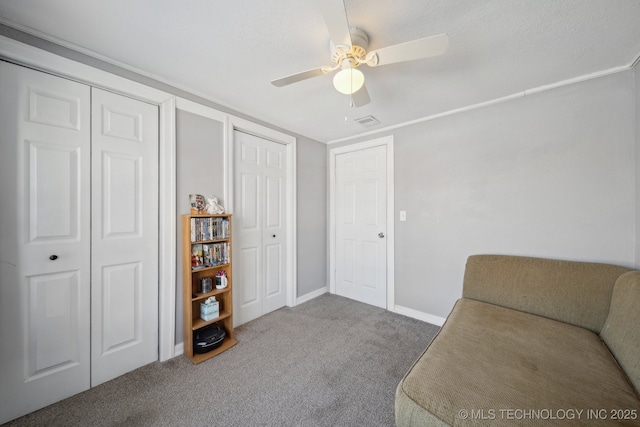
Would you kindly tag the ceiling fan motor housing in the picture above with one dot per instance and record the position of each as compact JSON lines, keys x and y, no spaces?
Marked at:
{"x":358,"y":50}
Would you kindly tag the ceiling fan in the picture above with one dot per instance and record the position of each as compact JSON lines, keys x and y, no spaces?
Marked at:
{"x":349,"y":51}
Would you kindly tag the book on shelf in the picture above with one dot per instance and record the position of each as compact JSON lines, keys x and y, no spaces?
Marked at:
{"x":206,"y":252}
{"x":209,"y":255}
{"x":209,"y":228}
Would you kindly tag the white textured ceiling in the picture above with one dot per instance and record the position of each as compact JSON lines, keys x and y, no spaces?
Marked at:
{"x":229,"y":50}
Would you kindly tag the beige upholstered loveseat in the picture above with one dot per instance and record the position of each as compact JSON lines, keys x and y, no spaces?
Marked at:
{"x":531,"y":342}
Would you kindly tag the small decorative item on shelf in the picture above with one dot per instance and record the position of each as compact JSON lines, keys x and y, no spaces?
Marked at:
{"x":197,"y":203}
{"x":197,"y":261}
{"x":206,"y":285}
{"x":209,"y":309}
{"x":206,"y":254}
{"x":197,"y":257}
{"x":221,"y":279}
{"x":213,"y":207}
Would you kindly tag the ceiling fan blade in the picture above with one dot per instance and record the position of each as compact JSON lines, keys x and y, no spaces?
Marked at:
{"x":335,"y":17}
{"x":293,"y":78}
{"x":417,"y":49}
{"x":361,"y":97}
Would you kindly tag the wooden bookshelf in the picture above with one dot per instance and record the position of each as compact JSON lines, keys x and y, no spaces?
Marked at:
{"x":194,"y":270}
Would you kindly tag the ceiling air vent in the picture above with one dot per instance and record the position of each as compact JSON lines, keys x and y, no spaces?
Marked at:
{"x":367,"y":121}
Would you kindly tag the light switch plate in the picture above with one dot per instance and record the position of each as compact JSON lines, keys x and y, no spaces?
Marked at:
{"x":403,"y":215}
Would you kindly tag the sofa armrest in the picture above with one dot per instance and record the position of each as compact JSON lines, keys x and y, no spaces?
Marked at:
{"x":621,"y":331}
{"x":578,"y":293}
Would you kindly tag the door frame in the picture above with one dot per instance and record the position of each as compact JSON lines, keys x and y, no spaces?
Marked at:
{"x":41,"y":60}
{"x":386,"y":141}
{"x":237,"y":124}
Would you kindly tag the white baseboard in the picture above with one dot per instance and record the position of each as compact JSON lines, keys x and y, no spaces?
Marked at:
{"x":311,"y":295}
{"x":425,"y":317}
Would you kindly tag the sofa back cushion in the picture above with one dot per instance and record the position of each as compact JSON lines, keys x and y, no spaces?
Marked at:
{"x":578,"y":293}
{"x":621,"y":331}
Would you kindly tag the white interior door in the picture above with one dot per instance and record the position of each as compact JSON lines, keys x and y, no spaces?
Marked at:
{"x":260,"y":250}
{"x":361,"y":225}
{"x":45,"y":244}
{"x":124,"y":296}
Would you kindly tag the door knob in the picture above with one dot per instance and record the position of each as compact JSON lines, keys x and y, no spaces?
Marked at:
{"x":381,"y":235}
{"x":274,"y":235}
{"x":53,"y":257}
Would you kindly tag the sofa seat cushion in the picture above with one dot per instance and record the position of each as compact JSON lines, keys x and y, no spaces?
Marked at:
{"x":492,"y":363}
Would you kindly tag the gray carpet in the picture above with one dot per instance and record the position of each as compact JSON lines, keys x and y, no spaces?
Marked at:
{"x":328,"y":362}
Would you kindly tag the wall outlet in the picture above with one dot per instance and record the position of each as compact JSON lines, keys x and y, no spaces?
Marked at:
{"x":403,"y":215}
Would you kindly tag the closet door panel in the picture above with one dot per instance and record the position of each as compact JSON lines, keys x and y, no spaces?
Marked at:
{"x":53,"y":323}
{"x":259,"y":226}
{"x":274,"y":227}
{"x":53,"y":191}
{"x":124,"y":298}
{"x":45,"y":245}
{"x":121,"y":177}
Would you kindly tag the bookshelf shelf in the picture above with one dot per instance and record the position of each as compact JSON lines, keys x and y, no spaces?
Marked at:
{"x":199,"y":323}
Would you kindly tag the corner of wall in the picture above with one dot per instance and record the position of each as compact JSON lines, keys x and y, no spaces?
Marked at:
{"x":311,"y":295}
{"x":636,"y":89}
{"x":419,"y":315}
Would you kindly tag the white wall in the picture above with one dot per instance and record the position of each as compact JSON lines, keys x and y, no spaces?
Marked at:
{"x":551,"y":175}
{"x":312,"y":217}
{"x":636,"y":72}
{"x":199,"y":170}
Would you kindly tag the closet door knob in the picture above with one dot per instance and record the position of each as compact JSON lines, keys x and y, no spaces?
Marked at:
{"x":53,"y":257}
{"x":274,"y":235}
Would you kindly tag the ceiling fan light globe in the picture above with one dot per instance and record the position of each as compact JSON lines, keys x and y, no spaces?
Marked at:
{"x":348,"y":81}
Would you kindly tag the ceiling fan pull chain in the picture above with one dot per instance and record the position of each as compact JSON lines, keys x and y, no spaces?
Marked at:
{"x":346,"y":109}
{"x":345,"y":113}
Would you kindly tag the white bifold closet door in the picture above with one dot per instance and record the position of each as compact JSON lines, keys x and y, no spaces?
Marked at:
{"x":124,"y":235}
{"x":259,"y":246}
{"x":45,"y":246}
{"x":78,"y":254}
